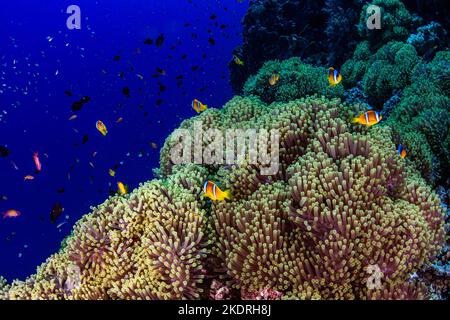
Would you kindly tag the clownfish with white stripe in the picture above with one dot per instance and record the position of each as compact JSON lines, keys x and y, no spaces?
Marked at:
{"x":212,"y":191}
{"x":334,"y":77}
{"x":198,"y":106}
{"x":368,"y":118}
{"x":401,"y":151}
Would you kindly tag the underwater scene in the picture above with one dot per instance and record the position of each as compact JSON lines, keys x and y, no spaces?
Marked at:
{"x":224,"y":150}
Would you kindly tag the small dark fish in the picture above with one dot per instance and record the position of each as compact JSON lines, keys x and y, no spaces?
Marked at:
{"x":184,"y":56}
{"x":194,"y":68}
{"x":4,"y":152}
{"x":85,"y":139}
{"x":212,"y":41}
{"x":212,"y":17}
{"x":126,"y":92}
{"x":161,"y":71}
{"x":160,"y":40}
{"x":148,"y":41}
{"x":187,"y":25}
{"x":68,"y":93}
{"x":162,"y":87}
{"x":61,"y":190}
{"x":121,"y":74}
{"x":76,"y":106}
{"x":57,"y":210}
{"x":159,"y":102}
{"x":116,"y":58}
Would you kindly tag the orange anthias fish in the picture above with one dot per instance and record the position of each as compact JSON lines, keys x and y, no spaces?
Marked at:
{"x":212,"y":191}
{"x":334,"y":77}
{"x":401,"y":151}
{"x":37,"y":162}
{"x":198,"y":106}
{"x":11,"y":214}
{"x":28,"y":177}
{"x":101,"y":127}
{"x":123,"y":189}
{"x":274,"y":79}
{"x":368,"y":118}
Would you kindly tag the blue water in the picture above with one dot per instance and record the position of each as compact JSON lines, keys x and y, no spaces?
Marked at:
{"x":40,"y":59}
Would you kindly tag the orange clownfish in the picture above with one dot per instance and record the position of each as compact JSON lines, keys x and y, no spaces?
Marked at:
{"x":213,"y":192}
{"x":198,"y":106}
{"x":334,"y":77}
{"x":11,"y":214}
{"x":274,"y":79}
{"x":101,"y":127}
{"x":401,"y":151}
{"x":368,"y":118}
{"x":37,"y":162}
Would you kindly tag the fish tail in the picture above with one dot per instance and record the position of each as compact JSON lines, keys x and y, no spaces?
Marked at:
{"x":355,"y":120}
{"x":227,"y":195}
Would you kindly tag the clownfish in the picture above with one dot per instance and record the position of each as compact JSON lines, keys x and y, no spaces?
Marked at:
{"x":401,"y":151}
{"x":198,"y":106}
{"x":11,"y":214}
{"x":238,"y":61}
{"x":274,"y":79}
{"x":368,"y":118}
{"x":212,"y":191}
{"x":37,"y":162}
{"x":334,"y":77}
{"x":123,"y":189}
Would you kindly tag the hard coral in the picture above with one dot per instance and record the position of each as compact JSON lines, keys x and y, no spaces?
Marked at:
{"x":150,"y":245}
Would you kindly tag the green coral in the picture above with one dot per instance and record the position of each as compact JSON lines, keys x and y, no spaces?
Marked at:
{"x":396,"y":23}
{"x":391,"y":68}
{"x":354,"y":69}
{"x":297,"y":79}
{"x":421,"y":121}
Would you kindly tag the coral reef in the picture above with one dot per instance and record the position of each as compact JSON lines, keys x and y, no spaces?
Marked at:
{"x":297,"y":79}
{"x":396,"y":23}
{"x":389,"y":69}
{"x":421,"y":120}
{"x":341,"y":202}
{"x":325,"y":32}
{"x":428,"y":39}
{"x":295,"y":28}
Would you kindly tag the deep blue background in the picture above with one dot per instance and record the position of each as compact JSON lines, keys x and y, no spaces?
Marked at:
{"x":37,"y":110}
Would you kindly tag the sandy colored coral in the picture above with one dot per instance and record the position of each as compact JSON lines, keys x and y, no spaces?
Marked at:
{"x":341,"y":201}
{"x":151,"y":244}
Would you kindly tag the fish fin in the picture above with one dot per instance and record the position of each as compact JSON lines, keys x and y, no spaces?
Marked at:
{"x":227,"y":195}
